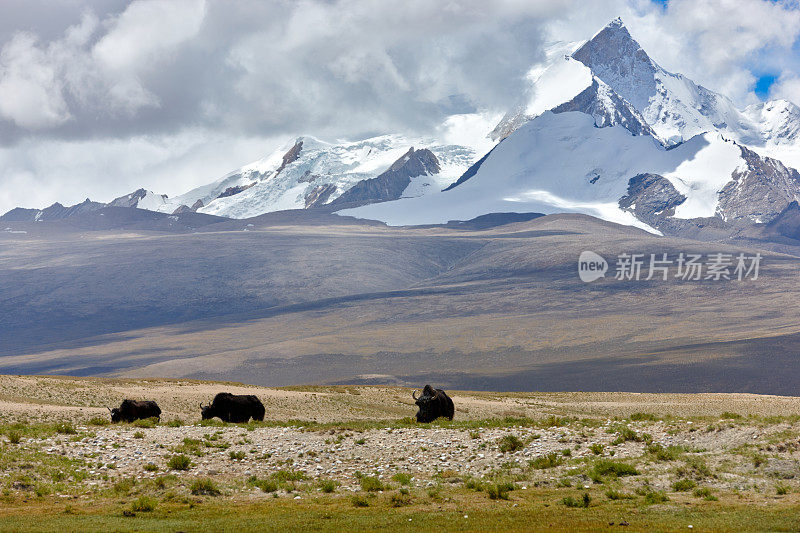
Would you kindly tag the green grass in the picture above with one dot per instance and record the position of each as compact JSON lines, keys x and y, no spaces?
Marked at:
{"x":145,"y":422}
{"x":535,"y":510}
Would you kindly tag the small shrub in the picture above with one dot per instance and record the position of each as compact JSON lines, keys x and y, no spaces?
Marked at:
{"x":510,"y":443}
{"x":266,"y":485}
{"x":359,"y":501}
{"x":99,"y":421}
{"x":179,"y":462}
{"x":14,"y":437}
{"x":288,"y":475}
{"x":627,"y":434}
{"x":138,"y":435}
{"x":328,"y":485}
{"x":683,"y":485}
{"x":402,"y":478}
{"x":400,"y":499}
{"x":371,"y":484}
{"x":639,"y":417}
{"x":653,"y":497}
{"x":617,"y":495}
{"x":695,"y":467}
{"x":175,"y":423}
{"x":550,"y":460}
{"x":730,"y":416}
{"x":204,"y":487}
{"x":583,"y":502}
{"x":237,"y":456}
{"x":661,"y":453}
{"x":499,"y":491}
{"x":781,"y":489}
{"x":150,"y":467}
{"x":705,"y":493}
{"x":124,"y":486}
{"x":607,"y":467}
{"x":65,"y":428}
{"x":144,"y":504}
{"x":566,"y":452}
{"x":596,"y":448}
{"x":360,"y":441}
{"x":554,"y":421}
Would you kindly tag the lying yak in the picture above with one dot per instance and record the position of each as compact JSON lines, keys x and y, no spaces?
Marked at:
{"x":433,"y":403}
{"x":130,"y":410}
{"x":233,"y":408}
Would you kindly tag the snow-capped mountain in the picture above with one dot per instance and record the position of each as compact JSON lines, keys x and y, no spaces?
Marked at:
{"x":602,"y":130}
{"x":310,"y":173}
{"x":672,"y":105}
{"x":606,"y":131}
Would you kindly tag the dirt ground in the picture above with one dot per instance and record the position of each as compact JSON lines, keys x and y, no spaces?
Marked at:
{"x":40,"y":398}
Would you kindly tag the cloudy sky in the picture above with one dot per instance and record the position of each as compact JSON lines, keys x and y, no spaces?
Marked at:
{"x":101,"y":97}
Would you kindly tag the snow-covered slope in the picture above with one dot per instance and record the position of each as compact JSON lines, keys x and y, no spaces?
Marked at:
{"x":563,"y":163}
{"x":310,"y":172}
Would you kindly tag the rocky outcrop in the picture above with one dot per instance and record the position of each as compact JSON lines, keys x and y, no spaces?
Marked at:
{"x":290,"y":156}
{"x":652,"y":199}
{"x":759,"y":191}
{"x":230,"y":191}
{"x":319,"y":195}
{"x":129,"y":200}
{"x":391,"y":184}
{"x":608,"y":109}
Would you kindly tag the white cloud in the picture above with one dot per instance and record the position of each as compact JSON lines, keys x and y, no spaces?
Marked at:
{"x":37,"y":173}
{"x":30,"y":89}
{"x":145,"y":31}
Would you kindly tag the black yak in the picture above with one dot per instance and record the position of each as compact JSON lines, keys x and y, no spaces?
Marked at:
{"x":130,"y":410}
{"x":233,"y":408}
{"x":433,"y":403}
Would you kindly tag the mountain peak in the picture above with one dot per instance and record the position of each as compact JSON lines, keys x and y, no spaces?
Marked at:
{"x":616,"y":58}
{"x":616,"y":23}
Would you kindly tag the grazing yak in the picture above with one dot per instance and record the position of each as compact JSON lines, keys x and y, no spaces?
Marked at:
{"x":233,"y":408}
{"x":433,"y":403}
{"x":130,"y":410}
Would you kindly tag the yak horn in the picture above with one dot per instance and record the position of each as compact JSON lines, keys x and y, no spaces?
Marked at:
{"x":109,"y":409}
{"x":414,"y":394}
{"x":201,"y":405}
